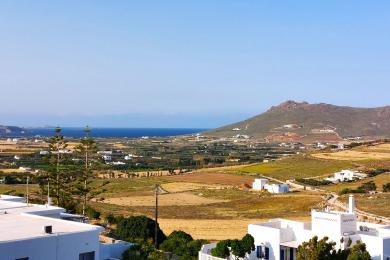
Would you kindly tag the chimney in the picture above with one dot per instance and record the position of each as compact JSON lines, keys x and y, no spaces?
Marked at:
{"x":351,"y":204}
{"x":47,"y":229}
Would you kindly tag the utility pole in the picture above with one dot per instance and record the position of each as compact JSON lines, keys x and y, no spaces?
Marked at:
{"x":156,"y":219}
{"x":27,"y":192}
{"x":87,"y":130}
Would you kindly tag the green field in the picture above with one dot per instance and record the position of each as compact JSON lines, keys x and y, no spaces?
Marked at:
{"x":299,"y":166}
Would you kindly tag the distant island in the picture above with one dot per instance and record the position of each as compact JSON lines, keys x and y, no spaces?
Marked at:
{"x":294,"y":121}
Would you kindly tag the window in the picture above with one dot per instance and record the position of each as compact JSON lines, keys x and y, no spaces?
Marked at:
{"x":291,"y":253}
{"x":87,"y":256}
{"x":258,"y":252}
{"x":266,"y":253}
{"x":281,"y":254}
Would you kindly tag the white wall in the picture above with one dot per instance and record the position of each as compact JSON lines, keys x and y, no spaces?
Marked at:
{"x":53,"y":247}
{"x":268,"y":236}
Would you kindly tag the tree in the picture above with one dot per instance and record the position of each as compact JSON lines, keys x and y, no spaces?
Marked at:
{"x":182,"y":245}
{"x":359,"y":252}
{"x":221,"y":249}
{"x":177,"y":243}
{"x":248,"y":243}
{"x":139,"y":229}
{"x":239,"y":248}
{"x":56,"y":175}
{"x":86,"y":150}
{"x":323,"y":250}
{"x":316,"y":250}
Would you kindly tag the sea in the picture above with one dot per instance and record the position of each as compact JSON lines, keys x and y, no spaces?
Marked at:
{"x":108,"y":132}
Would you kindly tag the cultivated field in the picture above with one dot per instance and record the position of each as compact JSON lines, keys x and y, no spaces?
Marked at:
{"x":353,"y":155}
{"x":173,"y":187}
{"x":213,"y":230}
{"x":300,"y":166}
{"x":184,"y":199}
{"x":378,"y":152}
{"x":213,"y":177}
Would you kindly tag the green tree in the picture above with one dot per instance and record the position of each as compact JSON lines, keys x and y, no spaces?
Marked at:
{"x":177,"y":243}
{"x":316,"y":250}
{"x":359,"y":252}
{"x":248,"y":243}
{"x":86,"y":151}
{"x":221,"y":249}
{"x":57,"y":176}
{"x":139,"y":229}
{"x":237,"y":248}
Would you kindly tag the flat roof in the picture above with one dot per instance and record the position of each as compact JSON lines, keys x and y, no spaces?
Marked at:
{"x":21,"y":207}
{"x":27,"y":226}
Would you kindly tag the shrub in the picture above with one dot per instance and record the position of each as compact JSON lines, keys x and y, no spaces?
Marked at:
{"x":92,"y":213}
{"x":386,"y":187}
{"x":313,"y":182}
{"x":139,"y":229}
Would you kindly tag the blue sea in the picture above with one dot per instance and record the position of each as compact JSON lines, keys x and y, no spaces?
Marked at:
{"x":110,"y":132}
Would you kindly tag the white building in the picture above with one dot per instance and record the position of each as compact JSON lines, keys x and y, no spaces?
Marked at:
{"x":38,"y":232}
{"x":259,"y":184}
{"x":263,"y":184}
{"x":280,"y":238}
{"x":346,"y":175}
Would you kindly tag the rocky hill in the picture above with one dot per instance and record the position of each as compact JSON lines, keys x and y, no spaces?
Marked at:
{"x":10,"y":130}
{"x":301,"y":121}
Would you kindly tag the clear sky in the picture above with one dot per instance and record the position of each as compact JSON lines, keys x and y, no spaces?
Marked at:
{"x":199,"y":63}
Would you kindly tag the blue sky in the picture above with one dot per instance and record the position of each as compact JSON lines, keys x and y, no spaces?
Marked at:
{"x":200,"y":63}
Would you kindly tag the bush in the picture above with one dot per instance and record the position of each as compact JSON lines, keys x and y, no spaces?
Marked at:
{"x":182,"y":244}
{"x":139,"y":229}
{"x":386,"y":187}
{"x":348,"y":191}
{"x":239,"y":248}
{"x":110,"y":218}
{"x":313,"y":182}
{"x":368,"y":186}
{"x":92,"y":213}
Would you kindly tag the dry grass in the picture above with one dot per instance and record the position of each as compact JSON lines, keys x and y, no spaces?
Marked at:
{"x":183,"y":199}
{"x":12,"y":171}
{"x":187,"y":186}
{"x":210,"y":229}
{"x":212,"y":177}
{"x":375,"y":203}
{"x":353,"y":155}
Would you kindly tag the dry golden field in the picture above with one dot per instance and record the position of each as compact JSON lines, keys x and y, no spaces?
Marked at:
{"x":212,"y":177}
{"x":188,"y":186}
{"x":210,"y":229}
{"x":184,"y":199}
{"x":354,"y":155}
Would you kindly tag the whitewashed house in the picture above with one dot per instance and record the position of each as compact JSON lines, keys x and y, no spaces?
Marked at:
{"x":259,"y":184}
{"x":346,"y":175}
{"x":39,"y":232}
{"x":263,"y":184}
{"x":280,"y":238}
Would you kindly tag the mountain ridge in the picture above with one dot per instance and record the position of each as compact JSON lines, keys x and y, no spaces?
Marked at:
{"x":302,"y":121}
